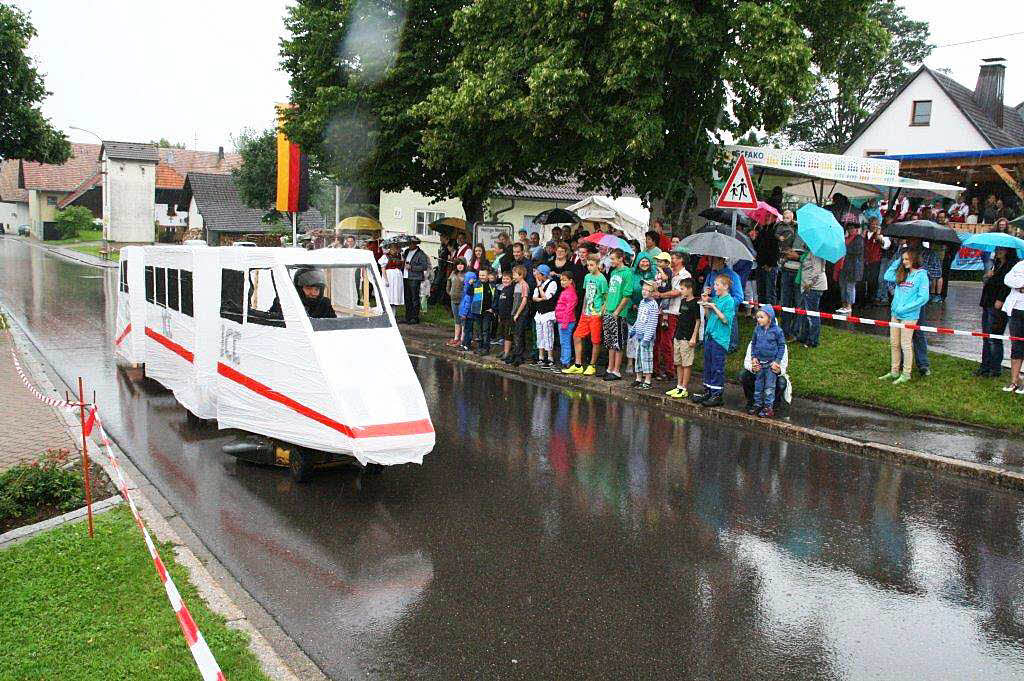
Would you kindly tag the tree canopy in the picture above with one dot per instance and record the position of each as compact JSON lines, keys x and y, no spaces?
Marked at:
{"x":872,"y":66}
{"x":481,"y":94}
{"x":24,"y":132}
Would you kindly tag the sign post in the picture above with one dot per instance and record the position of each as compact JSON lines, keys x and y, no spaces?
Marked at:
{"x":738,"y":192}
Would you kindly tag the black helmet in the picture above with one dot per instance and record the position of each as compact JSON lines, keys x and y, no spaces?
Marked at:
{"x":310,"y":276}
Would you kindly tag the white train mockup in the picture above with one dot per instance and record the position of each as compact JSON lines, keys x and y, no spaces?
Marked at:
{"x":227,"y":330}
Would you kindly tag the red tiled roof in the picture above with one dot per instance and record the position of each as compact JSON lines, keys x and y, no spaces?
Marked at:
{"x":9,"y":183}
{"x":168,"y":178}
{"x":84,"y":162}
{"x":185,"y":161}
{"x":88,"y":184}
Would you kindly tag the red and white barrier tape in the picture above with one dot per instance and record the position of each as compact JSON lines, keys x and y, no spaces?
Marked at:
{"x":201,"y":653}
{"x":880,"y":322}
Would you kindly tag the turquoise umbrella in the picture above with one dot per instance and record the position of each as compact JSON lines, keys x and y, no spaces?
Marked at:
{"x":821,"y":232}
{"x":990,"y":241}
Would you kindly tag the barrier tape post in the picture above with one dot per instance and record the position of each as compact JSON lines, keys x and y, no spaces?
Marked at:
{"x":85,"y":452}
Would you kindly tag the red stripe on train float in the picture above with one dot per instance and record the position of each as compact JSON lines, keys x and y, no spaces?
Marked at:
{"x":420,"y":427}
{"x":127,"y":330}
{"x":169,"y":344}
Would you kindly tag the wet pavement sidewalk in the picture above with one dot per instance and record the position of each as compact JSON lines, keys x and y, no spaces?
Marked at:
{"x":973,"y":444}
{"x":29,"y":427}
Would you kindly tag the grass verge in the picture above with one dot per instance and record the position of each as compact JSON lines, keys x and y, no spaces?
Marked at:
{"x":76,"y":609}
{"x":846,"y":366}
{"x":83,"y":236}
{"x":94,"y":249}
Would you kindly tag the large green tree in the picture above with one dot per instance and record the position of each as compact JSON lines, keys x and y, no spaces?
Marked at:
{"x":872,"y":66}
{"x":24,"y":132}
{"x":358,"y":71}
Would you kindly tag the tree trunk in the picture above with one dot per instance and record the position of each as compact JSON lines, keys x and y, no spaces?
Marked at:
{"x":473,"y":207}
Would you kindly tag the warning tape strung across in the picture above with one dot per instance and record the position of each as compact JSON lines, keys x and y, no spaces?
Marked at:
{"x":879,"y":322}
{"x":201,"y":653}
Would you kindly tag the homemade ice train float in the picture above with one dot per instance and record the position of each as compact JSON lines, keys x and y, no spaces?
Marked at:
{"x":319,"y":371}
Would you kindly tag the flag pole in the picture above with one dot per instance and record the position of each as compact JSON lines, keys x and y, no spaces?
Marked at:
{"x":295,"y":229}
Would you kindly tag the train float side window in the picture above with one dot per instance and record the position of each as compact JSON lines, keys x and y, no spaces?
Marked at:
{"x":161,"y":286}
{"x":172,"y":289}
{"x":124,"y":276}
{"x":186,"y":293}
{"x":232,"y":282}
{"x":352,"y":293}
{"x":264,"y":301}
{"x":149,"y":284}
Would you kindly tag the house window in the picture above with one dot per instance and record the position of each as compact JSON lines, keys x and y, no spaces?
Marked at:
{"x":424,"y":218}
{"x":921,"y":114}
{"x":874,"y":154}
{"x":51,"y":200}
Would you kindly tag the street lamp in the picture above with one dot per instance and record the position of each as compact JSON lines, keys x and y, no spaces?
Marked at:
{"x":90,"y":132}
{"x":100,"y":139}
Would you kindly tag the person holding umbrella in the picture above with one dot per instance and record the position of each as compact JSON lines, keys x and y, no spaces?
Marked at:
{"x":909,"y":296}
{"x":993,"y":319}
{"x":821,"y":233}
{"x":1013,"y":306}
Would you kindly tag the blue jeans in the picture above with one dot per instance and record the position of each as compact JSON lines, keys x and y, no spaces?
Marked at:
{"x":882,"y":293}
{"x":810,"y":327}
{"x":565,"y":343}
{"x":764,"y":386}
{"x":789,"y":299}
{"x":766,"y":285}
{"x":714,"y":367}
{"x":467,"y":332}
{"x":992,"y":321}
{"x":849,"y":293}
{"x":921,"y":350}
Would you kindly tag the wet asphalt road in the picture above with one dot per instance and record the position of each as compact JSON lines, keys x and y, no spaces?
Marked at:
{"x":557,"y":535}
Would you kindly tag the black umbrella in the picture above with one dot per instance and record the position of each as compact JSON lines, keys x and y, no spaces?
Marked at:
{"x":724,"y":215}
{"x":400,"y":240}
{"x":556,"y":216}
{"x":727,"y":230}
{"x":926,"y":230}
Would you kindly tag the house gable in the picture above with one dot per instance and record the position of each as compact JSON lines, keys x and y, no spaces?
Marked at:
{"x":889,"y":129}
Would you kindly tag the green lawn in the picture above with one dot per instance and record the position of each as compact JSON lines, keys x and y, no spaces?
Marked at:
{"x":94,"y":249}
{"x":83,"y":236}
{"x":845,"y":368}
{"x":76,"y":609}
{"x":430,"y":314}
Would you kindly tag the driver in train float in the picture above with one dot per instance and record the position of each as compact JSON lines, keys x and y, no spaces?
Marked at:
{"x":310,"y":285}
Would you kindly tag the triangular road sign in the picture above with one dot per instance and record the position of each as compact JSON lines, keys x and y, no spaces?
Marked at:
{"x":738,"y":192}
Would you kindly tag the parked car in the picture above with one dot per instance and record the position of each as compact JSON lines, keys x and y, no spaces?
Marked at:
{"x":23,"y":230}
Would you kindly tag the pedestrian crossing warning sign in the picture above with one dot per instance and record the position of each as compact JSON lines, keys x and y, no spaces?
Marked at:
{"x":738,"y":192}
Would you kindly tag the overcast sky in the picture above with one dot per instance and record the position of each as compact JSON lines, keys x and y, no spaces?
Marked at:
{"x":201,"y":70}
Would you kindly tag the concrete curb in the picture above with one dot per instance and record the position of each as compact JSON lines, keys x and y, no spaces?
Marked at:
{"x":67,"y":253}
{"x":936,"y":462}
{"x":159,"y":516}
{"x":26,"y":532}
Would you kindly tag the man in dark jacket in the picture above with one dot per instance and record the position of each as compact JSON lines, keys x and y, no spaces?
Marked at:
{"x":766,"y":244}
{"x":416,"y":265}
{"x":310,"y":284}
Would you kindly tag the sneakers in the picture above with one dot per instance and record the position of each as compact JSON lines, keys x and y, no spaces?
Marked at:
{"x":754,"y":409}
{"x":573,"y":369}
{"x":590,"y":370}
{"x":465,"y":348}
{"x":546,"y":364}
{"x":766,"y":413}
{"x":609,"y":376}
{"x":925,"y":372}
{"x":1012,"y":388}
{"x":678,"y":393}
{"x":901,"y":380}
{"x":889,"y":376}
{"x":698,"y":398}
{"x":644,"y":386}
{"x":844,"y":310}
{"x":637,"y":384}
{"x":714,"y":401}
{"x":557,"y":367}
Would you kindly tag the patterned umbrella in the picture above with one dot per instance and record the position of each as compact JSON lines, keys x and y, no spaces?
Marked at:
{"x":763,"y":213}
{"x":610,"y":241}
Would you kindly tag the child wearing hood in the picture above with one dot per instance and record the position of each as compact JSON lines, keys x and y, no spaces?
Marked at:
{"x":476,"y":297}
{"x":767,"y":349}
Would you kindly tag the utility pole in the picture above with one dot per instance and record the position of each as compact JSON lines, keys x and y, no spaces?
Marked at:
{"x":337,"y":205}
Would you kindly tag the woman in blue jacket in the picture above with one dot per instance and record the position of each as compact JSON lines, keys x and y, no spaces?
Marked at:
{"x":910,"y":296}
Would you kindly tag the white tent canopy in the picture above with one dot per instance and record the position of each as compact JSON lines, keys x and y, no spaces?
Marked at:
{"x":877,"y":172}
{"x":603,"y":209}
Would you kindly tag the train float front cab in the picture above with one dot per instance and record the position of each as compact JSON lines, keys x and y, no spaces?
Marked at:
{"x":295,"y":346}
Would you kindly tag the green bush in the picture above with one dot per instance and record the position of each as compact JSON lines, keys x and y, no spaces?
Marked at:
{"x":28,"y":488}
{"x":73,"y":220}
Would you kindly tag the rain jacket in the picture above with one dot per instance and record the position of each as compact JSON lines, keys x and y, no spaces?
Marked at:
{"x":468,"y":286}
{"x":768,"y":344}
{"x":910,"y":296}
{"x":851,"y":268}
{"x":735,"y":289}
{"x":565,"y":309}
{"x":646,"y":326}
{"x":812,"y":273}
{"x":783,"y":364}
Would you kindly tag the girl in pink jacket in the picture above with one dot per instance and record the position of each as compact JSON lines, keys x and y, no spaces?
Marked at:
{"x":565,"y":318}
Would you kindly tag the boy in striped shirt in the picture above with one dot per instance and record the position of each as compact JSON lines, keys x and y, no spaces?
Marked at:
{"x":645,"y":329}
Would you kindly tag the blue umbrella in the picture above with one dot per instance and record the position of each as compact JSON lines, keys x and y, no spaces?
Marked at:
{"x":821,"y":232}
{"x":990,"y":241}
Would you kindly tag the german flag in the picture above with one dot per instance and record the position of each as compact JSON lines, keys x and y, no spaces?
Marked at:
{"x":292,"y":173}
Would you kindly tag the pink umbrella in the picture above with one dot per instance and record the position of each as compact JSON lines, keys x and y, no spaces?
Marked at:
{"x":762,"y":213}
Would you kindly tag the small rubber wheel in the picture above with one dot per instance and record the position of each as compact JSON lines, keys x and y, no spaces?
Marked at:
{"x":374,"y":469}
{"x":300,"y":463}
